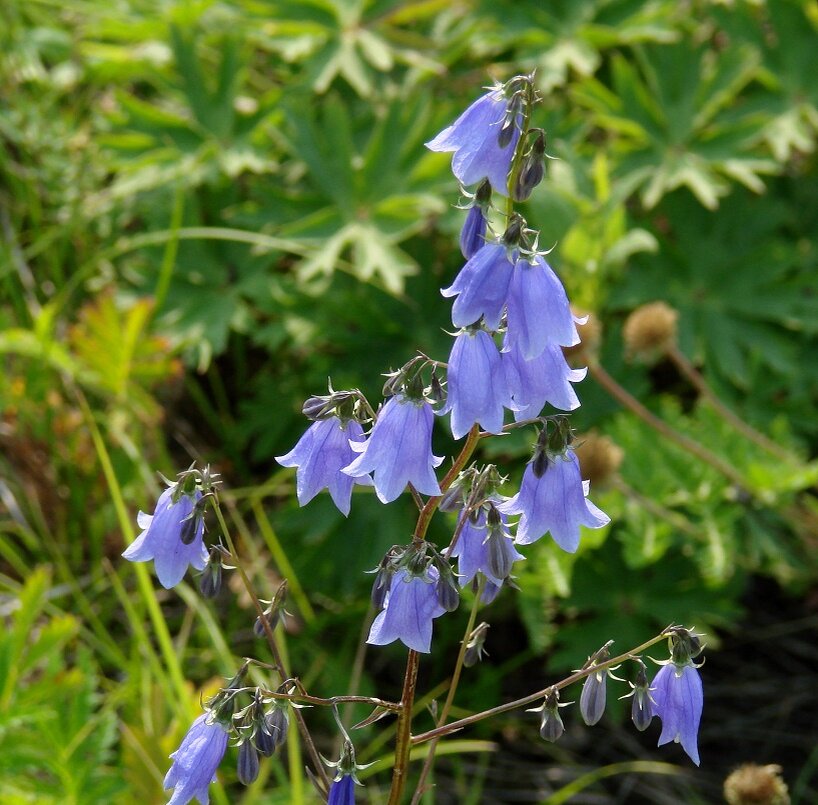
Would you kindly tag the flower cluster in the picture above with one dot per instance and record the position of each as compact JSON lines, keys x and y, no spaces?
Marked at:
{"x":512,"y":321}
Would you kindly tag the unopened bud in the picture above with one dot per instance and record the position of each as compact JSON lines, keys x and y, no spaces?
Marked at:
{"x":247,"y":765}
{"x":475,"y":645}
{"x":210,"y":582}
{"x":641,"y":710}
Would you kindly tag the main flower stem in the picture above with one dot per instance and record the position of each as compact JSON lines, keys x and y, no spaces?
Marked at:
{"x":404,"y":736}
{"x":660,"y":426}
{"x":439,"y":732}
{"x":447,"y":705}
{"x":274,"y":649}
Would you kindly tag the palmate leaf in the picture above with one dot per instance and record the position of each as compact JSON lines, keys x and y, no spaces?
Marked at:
{"x":566,"y":36}
{"x":671,"y":114}
{"x":369,"y":194}
{"x":784,"y":33}
{"x":355,"y":41}
{"x":736,"y":280}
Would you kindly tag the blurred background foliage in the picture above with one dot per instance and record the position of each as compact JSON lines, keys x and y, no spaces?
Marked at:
{"x":208,"y":208}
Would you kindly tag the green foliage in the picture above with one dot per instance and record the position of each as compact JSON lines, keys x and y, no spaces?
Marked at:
{"x":208,"y":209}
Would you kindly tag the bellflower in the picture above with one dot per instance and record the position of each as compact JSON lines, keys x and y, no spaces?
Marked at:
{"x":477,"y":389}
{"x":677,"y":700}
{"x":195,"y":762}
{"x":320,"y":455}
{"x":399,"y":450}
{"x":544,"y":379}
{"x":475,"y":139}
{"x":473,"y":234}
{"x":411,"y":605}
{"x":481,"y":287}
{"x":538,"y":310}
{"x":342,"y":791}
{"x":555,"y":502}
{"x":161,"y":538}
{"x":478,"y":551}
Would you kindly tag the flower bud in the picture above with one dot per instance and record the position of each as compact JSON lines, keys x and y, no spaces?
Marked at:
{"x":210,"y":582}
{"x":592,"y":700}
{"x":475,"y":644}
{"x":641,"y":710}
{"x":277,"y":721}
{"x":448,"y":593}
{"x":551,"y":726}
{"x":532,"y":169}
{"x":514,"y":232}
{"x":247,"y":765}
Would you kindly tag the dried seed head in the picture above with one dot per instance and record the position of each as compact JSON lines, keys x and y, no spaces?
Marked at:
{"x":599,"y":458}
{"x":649,"y":331}
{"x":756,"y":785}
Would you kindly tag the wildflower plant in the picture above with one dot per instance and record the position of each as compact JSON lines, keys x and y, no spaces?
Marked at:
{"x":512,"y":320}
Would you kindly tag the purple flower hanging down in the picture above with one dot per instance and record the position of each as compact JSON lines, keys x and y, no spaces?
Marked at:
{"x":544,"y":379}
{"x":477,"y":389}
{"x":475,"y":139}
{"x":320,"y":454}
{"x":538,"y":310}
{"x":195,"y":762}
{"x":161,"y":538}
{"x":481,"y":287}
{"x":399,"y":450}
{"x":411,"y":606}
{"x":678,"y":699}
{"x":554,"y":503}
{"x":342,"y":791}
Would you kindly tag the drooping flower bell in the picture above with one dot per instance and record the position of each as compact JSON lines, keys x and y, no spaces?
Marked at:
{"x":196,"y":760}
{"x":172,"y":536}
{"x":677,"y":693}
{"x":552,"y":497}
{"x":411,"y":605}
{"x":399,"y":449}
{"x":544,"y":379}
{"x":485,"y":136}
{"x":477,"y":389}
{"x":325,"y":449}
{"x":539,"y":313}
{"x":481,"y":287}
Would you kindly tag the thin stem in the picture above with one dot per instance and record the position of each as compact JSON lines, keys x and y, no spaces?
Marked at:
{"x":447,"y":705}
{"x":695,"y":377}
{"x":660,"y":426}
{"x":425,"y":516}
{"x":403,"y":741}
{"x":274,"y":649}
{"x":438,"y":732}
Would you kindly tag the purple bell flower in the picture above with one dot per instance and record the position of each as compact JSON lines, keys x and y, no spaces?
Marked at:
{"x":479,"y":552}
{"x":411,"y":605}
{"x":481,"y":287}
{"x":161,"y":538}
{"x":678,"y":700}
{"x":195,"y":762}
{"x":320,"y":454}
{"x":544,"y":379}
{"x":399,"y":450}
{"x":473,"y":234}
{"x":474,"y":138}
{"x":555,"y":502}
{"x":477,"y":389}
{"x":342,"y":791}
{"x":538,"y":310}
